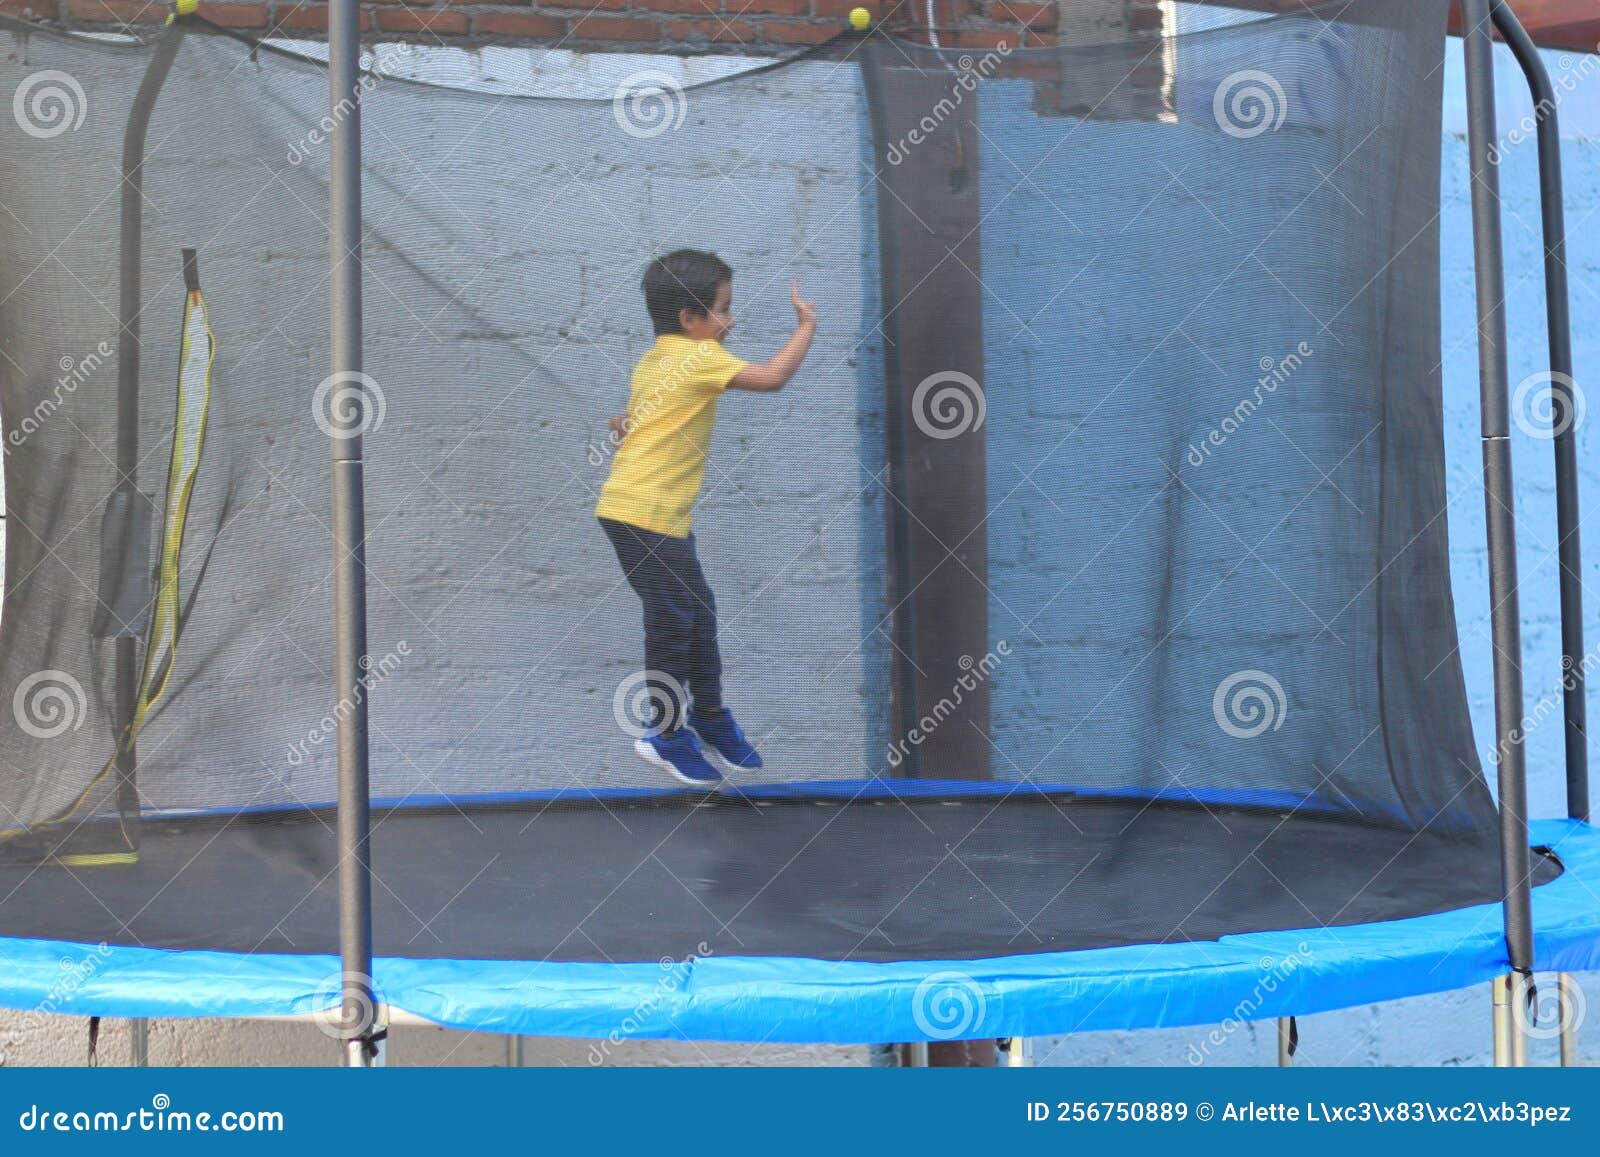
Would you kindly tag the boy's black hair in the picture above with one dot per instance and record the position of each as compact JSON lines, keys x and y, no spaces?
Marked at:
{"x":684,"y":279}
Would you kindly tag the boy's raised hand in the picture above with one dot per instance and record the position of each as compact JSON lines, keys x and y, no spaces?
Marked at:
{"x":805,"y":312}
{"x":619,"y":427}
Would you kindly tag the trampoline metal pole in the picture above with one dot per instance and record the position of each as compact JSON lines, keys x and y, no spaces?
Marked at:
{"x":1493,"y":375}
{"x":359,"y":1006}
{"x":1569,"y":1010}
{"x":1559,"y":319}
{"x":1501,"y":997}
{"x":1285,"y":1043}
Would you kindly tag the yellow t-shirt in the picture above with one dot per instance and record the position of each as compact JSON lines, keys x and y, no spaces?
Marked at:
{"x":672,"y":411}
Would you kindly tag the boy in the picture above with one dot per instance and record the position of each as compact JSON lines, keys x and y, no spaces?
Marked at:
{"x":655,"y":478}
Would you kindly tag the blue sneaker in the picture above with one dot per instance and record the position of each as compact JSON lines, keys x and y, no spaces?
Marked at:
{"x":725,"y":737}
{"x":678,"y":753}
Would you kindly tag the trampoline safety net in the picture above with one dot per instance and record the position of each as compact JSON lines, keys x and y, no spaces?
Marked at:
{"x":1086,"y":586}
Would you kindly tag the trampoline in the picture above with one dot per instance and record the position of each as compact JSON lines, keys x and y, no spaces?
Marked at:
{"x":1087,"y":592}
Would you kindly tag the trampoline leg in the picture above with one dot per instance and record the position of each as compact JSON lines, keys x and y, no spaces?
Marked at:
{"x":1568,"y":1011}
{"x":514,"y":1054}
{"x":139,"y":1043}
{"x":1285,"y":1035}
{"x":914,"y":1055}
{"x":1510,"y":1044}
{"x":1501,"y":1022}
{"x":370,"y":1051}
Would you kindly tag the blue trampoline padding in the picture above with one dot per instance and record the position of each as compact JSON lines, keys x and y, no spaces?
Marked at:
{"x":779,"y":999}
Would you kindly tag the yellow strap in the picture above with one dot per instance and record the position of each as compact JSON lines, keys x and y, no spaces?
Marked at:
{"x":196,"y":355}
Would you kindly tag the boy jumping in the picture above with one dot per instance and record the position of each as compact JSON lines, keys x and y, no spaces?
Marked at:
{"x":655,"y":478}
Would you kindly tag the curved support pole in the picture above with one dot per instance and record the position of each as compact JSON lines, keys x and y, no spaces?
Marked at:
{"x":1505,"y":616}
{"x":130,"y":308}
{"x":1558,"y":313}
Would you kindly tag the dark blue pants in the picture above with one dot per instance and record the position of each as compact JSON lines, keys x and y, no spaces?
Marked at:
{"x":680,"y":616}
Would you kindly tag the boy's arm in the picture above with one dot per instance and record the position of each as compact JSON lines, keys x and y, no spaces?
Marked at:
{"x":777,"y":372}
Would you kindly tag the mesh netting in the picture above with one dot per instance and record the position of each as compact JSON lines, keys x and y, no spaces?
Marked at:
{"x":1148,"y":590}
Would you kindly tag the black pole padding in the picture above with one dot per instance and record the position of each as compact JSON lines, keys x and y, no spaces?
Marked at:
{"x":130,"y":309}
{"x":191,"y":271}
{"x":1564,"y":415}
{"x":1494,"y":387}
{"x":359,"y":1021}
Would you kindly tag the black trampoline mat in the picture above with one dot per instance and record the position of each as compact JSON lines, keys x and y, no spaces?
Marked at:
{"x":860,"y":880}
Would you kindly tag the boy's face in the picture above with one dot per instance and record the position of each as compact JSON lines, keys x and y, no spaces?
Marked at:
{"x":713,"y":326}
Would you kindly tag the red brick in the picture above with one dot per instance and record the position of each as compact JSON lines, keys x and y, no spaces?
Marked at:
{"x":434,"y":21}
{"x":310,"y":18}
{"x":768,"y":7}
{"x":686,"y":7}
{"x":236,"y":15}
{"x":30,"y":9}
{"x":1038,"y":17}
{"x":524,"y":25}
{"x":614,"y":28}
{"x":726,"y":31}
{"x":983,"y":38}
{"x":840,"y":8}
{"x":116,"y":11}
{"x":587,"y":5}
{"x":794,"y":32}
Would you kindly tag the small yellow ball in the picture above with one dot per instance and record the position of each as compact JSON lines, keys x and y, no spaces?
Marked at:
{"x":187,"y":7}
{"x":859,"y":19}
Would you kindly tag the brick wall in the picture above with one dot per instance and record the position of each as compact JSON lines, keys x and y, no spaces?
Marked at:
{"x":770,"y":26}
